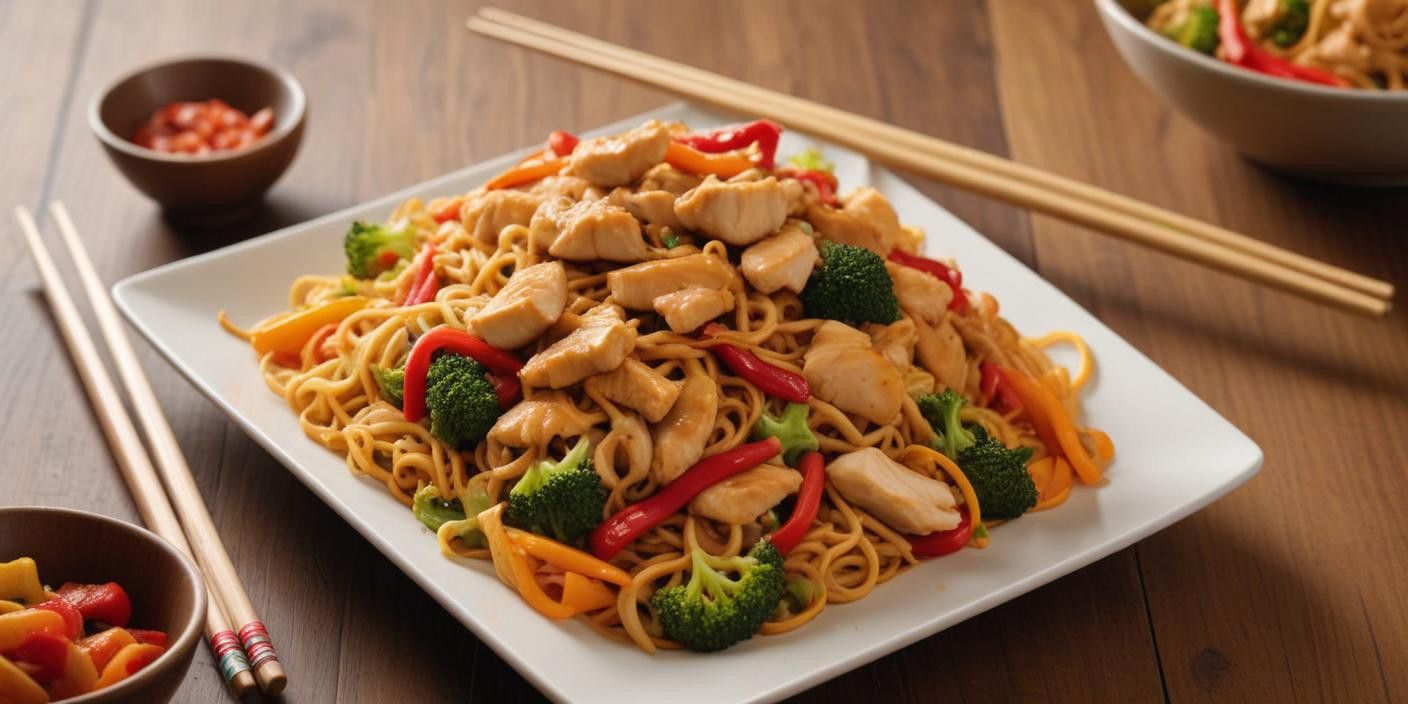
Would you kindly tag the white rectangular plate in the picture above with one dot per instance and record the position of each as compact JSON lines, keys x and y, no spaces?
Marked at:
{"x":1175,"y":455}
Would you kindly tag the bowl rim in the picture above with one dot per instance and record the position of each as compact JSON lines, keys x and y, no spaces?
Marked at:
{"x":1123,"y":17}
{"x":191,"y":632}
{"x":278,"y":134}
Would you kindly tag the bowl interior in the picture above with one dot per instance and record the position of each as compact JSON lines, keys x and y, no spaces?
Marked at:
{"x":74,"y":546}
{"x":130,"y":102}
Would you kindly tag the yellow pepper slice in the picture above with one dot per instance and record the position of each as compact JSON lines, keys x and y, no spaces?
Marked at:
{"x":19,"y":581}
{"x":17,"y":626}
{"x":289,"y":334}
{"x":127,"y":662}
{"x":80,"y":675}
{"x":584,"y":594}
{"x":530,"y":591}
{"x":568,"y":559}
{"x":18,"y":688}
{"x":10,"y":606}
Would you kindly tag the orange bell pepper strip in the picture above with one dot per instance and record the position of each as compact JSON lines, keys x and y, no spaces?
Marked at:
{"x":529,"y":589}
{"x":568,"y":559}
{"x":584,"y":594}
{"x":445,"y":209}
{"x":17,"y":687}
{"x":100,"y":647}
{"x":128,"y":662}
{"x":526,"y":173}
{"x":80,"y":675}
{"x":288,"y":336}
{"x":1053,"y":424}
{"x":15,"y":627}
{"x":691,"y":160}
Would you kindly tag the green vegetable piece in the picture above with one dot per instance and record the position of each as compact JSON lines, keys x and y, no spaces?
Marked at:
{"x":1290,"y":26}
{"x":1197,"y":31}
{"x":999,"y":476}
{"x":392,"y":383}
{"x":563,"y":500}
{"x":811,"y":159}
{"x":791,"y":428}
{"x":713,"y":611}
{"x":432,"y":510}
{"x":462,"y":403}
{"x":941,"y":410}
{"x":852,"y":286}
{"x":670,"y":239}
{"x":370,"y":248}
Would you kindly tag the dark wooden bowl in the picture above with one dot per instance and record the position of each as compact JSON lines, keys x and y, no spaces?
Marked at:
{"x":214,"y":186}
{"x":166,"y":589}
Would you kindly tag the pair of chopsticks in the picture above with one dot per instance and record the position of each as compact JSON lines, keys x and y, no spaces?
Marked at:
{"x":237,"y":651}
{"x":962,"y":167}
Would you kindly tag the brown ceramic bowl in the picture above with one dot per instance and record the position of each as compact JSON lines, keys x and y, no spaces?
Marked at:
{"x":166,"y":589}
{"x":214,"y":186}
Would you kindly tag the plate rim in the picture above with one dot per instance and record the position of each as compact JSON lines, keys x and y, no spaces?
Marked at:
{"x":782,"y":688}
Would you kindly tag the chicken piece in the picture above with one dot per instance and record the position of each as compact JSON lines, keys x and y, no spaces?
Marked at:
{"x":688,"y":308}
{"x":587,"y":231}
{"x":747,"y":495}
{"x":486,"y":216}
{"x":620,"y":159}
{"x":865,"y":220}
{"x":561,"y":186}
{"x":895,"y":342}
{"x":940,"y":351}
{"x":920,"y":294}
{"x":796,"y":195}
{"x":599,"y":344}
{"x":665,"y":177}
{"x":637,"y":287}
{"x":535,"y":421}
{"x":737,"y":213}
{"x":784,"y":260}
{"x":903,"y":499}
{"x":844,"y":371}
{"x":681,"y":435}
{"x":635,"y":385}
{"x":655,"y":207}
{"x":532,"y":300}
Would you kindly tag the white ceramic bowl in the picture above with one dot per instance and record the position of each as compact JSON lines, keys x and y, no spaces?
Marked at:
{"x":1332,"y":134}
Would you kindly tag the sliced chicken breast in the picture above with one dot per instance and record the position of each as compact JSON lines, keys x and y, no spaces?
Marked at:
{"x":587,"y":231}
{"x":535,"y":421}
{"x":637,"y":287}
{"x":900,"y":497}
{"x":843,"y":370}
{"x":619,"y":160}
{"x":895,"y":342}
{"x":599,"y":344}
{"x":687,"y":309}
{"x":664,"y":177}
{"x":921,"y":295}
{"x":681,"y":435}
{"x":635,"y":385}
{"x":486,"y":216}
{"x":784,"y":260}
{"x":532,"y":300}
{"x":654,"y":207}
{"x":940,"y":352}
{"x":737,"y":213}
{"x":866,"y":219}
{"x":747,"y":495}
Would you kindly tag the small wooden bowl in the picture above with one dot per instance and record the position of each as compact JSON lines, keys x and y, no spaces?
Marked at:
{"x":166,"y":588}
{"x":210,"y":187}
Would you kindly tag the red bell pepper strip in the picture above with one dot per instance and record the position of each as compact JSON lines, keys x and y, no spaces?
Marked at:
{"x":620,"y":530}
{"x":562,"y":143}
{"x":943,"y":542}
{"x":770,"y":379}
{"x":993,"y":386}
{"x":447,"y":211}
{"x":497,"y":361}
{"x":939,"y":270}
{"x":99,"y":602}
{"x":47,"y":653}
{"x":72,"y":618}
{"x":507,"y":388}
{"x":1238,"y":49}
{"x":825,"y":183}
{"x":764,"y":133}
{"x":813,"y":469}
{"x":150,"y":637}
{"x":425,"y":284}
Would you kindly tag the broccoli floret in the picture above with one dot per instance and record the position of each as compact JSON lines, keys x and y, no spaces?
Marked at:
{"x":460,"y":513}
{"x":1291,"y":25}
{"x":791,"y":428}
{"x":713,"y":611}
{"x":941,"y":410}
{"x":563,"y":500}
{"x":392,"y":383}
{"x":1197,"y":31}
{"x":852,"y":286}
{"x":999,"y":476}
{"x":462,"y":403}
{"x":372,"y":248}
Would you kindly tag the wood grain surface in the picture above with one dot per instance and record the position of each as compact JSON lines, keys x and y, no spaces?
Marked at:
{"x":1290,"y":589}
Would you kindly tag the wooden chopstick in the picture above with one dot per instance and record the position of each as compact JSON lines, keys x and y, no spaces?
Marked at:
{"x":1014,"y":183}
{"x":132,"y":460}
{"x":958,"y":153}
{"x":175,"y":473}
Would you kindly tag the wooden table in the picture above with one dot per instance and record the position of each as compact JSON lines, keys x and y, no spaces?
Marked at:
{"x":1290,"y":589}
